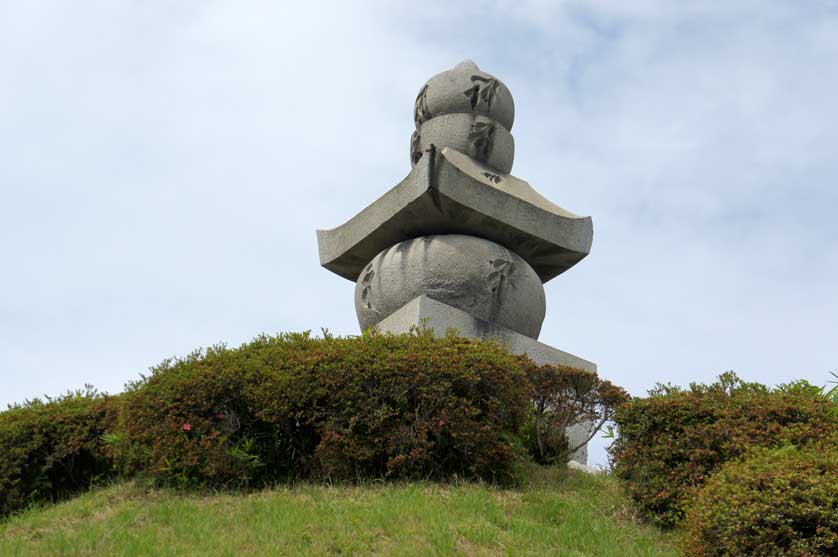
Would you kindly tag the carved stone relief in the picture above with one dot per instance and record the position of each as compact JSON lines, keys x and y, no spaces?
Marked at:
{"x":484,"y":90}
{"x":415,"y":147}
{"x":420,"y":109}
{"x":481,"y":138}
{"x":366,"y":281}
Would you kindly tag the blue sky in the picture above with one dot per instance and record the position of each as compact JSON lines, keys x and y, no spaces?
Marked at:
{"x":165,"y":166}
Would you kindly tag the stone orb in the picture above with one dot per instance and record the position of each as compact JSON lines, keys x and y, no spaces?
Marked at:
{"x":465,"y":89}
{"x":472,"y":134}
{"x":469,"y":273}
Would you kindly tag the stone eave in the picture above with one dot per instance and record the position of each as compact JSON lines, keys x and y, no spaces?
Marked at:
{"x":450,"y":193}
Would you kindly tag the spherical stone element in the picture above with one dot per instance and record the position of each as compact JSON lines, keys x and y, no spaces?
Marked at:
{"x":468,"y":110}
{"x":465,"y":89}
{"x":469,"y":273}
{"x":472,"y":134}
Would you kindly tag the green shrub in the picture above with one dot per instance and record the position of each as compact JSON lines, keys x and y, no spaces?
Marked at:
{"x":562,"y":397}
{"x":51,"y":449}
{"x":673,"y":441}
{"x":780,"y":502}
{"x":293,"y":406}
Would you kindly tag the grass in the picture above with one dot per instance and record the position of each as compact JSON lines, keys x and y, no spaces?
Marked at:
{"x":557,"y":513}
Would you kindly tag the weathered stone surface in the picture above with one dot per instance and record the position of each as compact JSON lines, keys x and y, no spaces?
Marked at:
{"x":465,"y":89}
{"x":424,"y":312}
{"x":577,"y":434}
{"x":448,"y":192}
{"x":472,"y":134}
{"x":581,"y":467}
{"x":475,"y":275}
{"x":467,"y":110}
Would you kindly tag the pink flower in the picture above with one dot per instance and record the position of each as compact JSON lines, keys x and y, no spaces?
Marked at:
{"x":441,"y":424}
{"x":187,"y":426}
{"x":220,"y":415}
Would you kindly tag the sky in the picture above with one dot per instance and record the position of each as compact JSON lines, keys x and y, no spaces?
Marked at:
{"x":165,"y":166}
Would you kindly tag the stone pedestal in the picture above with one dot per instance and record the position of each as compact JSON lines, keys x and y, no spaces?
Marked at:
{"x":426,"y":313}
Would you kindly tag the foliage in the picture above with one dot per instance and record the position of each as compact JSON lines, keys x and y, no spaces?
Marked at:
{"x":673,"y":441}
{"x":562,"y":397}
{"x":52,"y":448}
{"x":775,"y":502}
{"x":297,"y":407}
{"x":806,"y":389}
{"x":294,"y":406}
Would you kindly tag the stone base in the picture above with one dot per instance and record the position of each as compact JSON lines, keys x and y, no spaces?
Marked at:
{"x":424,"y":312}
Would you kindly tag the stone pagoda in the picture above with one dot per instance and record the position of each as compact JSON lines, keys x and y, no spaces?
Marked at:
{"x":460,"y":242}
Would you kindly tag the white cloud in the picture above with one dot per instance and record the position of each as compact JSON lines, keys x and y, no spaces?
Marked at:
{"x":166,"y":165}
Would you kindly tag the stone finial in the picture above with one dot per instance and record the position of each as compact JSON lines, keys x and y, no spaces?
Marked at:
{"x":468,"y":110}
{"x":465,"y":89}
{"x":467,"y":65}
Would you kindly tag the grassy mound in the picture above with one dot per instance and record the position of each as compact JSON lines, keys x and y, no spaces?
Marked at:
{"x":555,"y":512}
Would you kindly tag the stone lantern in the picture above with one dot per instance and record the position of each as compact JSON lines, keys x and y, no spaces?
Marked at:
{"x":460,"y":242}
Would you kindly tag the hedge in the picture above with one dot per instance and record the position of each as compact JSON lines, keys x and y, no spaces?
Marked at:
{"x":673,"y":441}
{"x":52,"y":448}
{"x":295,"y":406}
{"x":292,"y":406}
{"x":775,"y":502}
